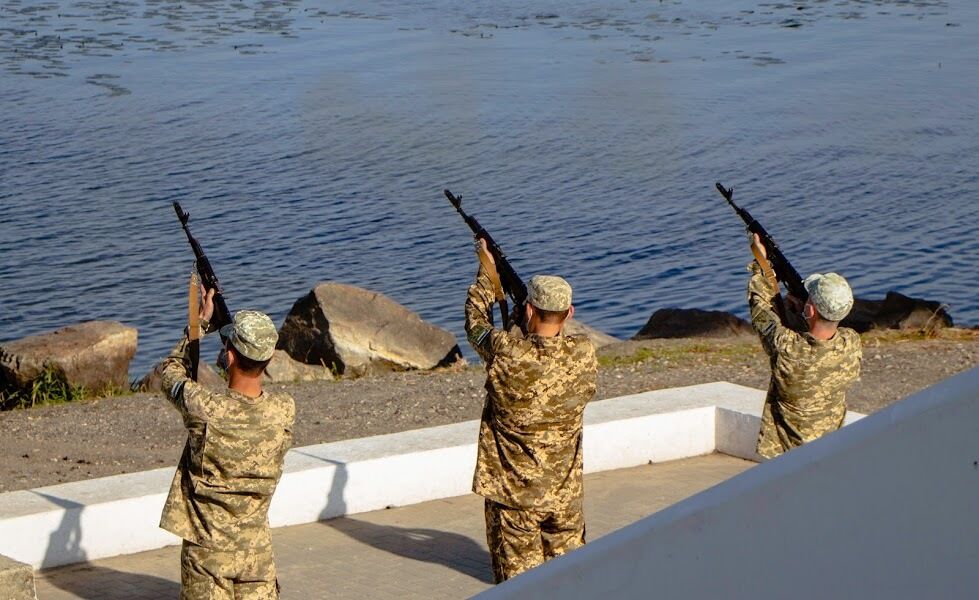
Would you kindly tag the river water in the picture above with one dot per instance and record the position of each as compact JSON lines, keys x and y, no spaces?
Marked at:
{"x":311,"y":141}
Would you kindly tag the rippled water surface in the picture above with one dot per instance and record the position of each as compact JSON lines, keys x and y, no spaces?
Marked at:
{"x":311,"y":141}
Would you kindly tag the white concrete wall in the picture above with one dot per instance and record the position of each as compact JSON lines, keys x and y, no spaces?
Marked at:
{"x":885,"y":508}
{"x":106,"y":517}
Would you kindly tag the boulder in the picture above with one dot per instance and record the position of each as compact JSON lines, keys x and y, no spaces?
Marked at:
{"x":206,"y":376}
{"x":897,"y":311}
{"x":94,"y":355}
{"x":358,"y":332}
{"x":283,"y":369}
{"x":693,"y":322}
{"x":598,"y":338}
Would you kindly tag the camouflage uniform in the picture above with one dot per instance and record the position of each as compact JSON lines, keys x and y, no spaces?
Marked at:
{"x":220,"y":495}
{"x":807,"y":392}
{"x":529,"y":463}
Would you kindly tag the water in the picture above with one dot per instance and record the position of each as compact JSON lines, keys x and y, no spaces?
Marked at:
{"x":312,"y":144}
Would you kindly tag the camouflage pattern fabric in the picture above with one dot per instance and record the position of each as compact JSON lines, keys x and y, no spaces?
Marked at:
{"x":529,"y":450}
{"x":252,"y":334}
{"x":231,"y":464}
{"x":519,"y":539}
{"x":227,"y":575}
{"x":807,"y":392}
{"x":549,"y":292}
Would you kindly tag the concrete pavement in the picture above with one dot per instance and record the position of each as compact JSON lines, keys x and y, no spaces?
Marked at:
{"x":430,"y":550}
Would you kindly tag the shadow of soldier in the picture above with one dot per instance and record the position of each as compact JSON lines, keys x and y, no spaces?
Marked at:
{"x":452,"y":550}
{"x":89,"y":581}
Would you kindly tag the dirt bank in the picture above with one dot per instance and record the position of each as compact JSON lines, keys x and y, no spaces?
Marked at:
{"x":108,"y":436}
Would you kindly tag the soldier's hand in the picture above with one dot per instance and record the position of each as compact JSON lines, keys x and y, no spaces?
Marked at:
{"x":483,"y":252}
{"x":757,"y":247}
{"x":207,"y":303}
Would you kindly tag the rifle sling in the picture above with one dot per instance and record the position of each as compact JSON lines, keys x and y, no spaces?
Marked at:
{"x":193,"y":325}
{"x":769,"y":273}
{"x":494,"y":277}
{"x":766,"y":267}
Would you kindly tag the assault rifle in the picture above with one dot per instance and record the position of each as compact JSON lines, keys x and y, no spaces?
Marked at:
{"x":222,"y":316}
{"x":511,"y":284}
{"x":784,"y":271}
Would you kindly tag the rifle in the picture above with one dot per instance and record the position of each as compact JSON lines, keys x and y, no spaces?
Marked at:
{"x":222,"y":316}
{"x":510,"y":282}
{"x":784,"y":271}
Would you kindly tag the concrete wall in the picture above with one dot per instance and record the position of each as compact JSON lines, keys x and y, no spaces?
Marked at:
{"x":885,"y":508}
{"x":93,"y":519}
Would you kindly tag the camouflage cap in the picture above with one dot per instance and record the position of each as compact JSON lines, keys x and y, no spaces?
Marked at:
{"x":549,"y":292}
{"x":252,"y":334}
{"x":830,"y":295}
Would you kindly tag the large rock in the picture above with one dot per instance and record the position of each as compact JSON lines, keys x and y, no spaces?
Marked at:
{"x":897,"y":311}
{"x":206,"y":376}
{"x":94,"y":355}
{"x":693,"y":322}
{"x":283,"y":369}
{"x":598,"y":338}
{"x":357,"y":332}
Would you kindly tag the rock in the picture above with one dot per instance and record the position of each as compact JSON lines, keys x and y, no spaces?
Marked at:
{"x":94,"y":355}
{"x":897,"y":311}
{"x":358,"y":332}
{"x":206,"y":376}
{"x":283,"y":369}
{"x":598,"y":338}
{"x":692,"y":322}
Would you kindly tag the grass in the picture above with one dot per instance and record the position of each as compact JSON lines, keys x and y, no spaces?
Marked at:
{"x":884,"y":336}
{"x":679,"y":351}
{"x":50,"y":387}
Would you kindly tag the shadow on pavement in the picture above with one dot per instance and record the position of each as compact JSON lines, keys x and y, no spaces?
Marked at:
{"x":88,"y":581}
{"x":452,"y":550}
{"x":91,"y":582}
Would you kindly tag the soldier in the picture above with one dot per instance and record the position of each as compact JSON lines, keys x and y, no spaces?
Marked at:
{"x":237,"y":439}
{"x":529,"y":463}
{"x":810,"y":371}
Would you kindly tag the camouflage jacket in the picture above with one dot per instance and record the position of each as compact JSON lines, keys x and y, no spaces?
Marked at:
{"x":529,"y":453}
{"x":807,"y":392}
{"x":231,"y":462}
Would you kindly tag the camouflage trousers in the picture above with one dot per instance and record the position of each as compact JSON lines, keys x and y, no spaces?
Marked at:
{"x":520,"y":539}
{"x":779,"y":434}
{"x":227,"y":575}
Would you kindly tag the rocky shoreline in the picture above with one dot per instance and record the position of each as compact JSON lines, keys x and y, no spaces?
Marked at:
{"x":339,"y":330}
{"x":121,"y":434}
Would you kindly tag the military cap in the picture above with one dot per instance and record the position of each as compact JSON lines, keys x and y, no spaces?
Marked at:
{"x":252,"y":334}
{"x":549,"y":292}
{"x":830,"y":294}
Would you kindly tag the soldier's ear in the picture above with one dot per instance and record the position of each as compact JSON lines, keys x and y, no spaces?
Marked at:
{"x":808,"y":311}
{"x":570,"y":312}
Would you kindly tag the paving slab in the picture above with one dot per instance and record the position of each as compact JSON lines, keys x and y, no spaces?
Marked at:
{"x":431,"y":550}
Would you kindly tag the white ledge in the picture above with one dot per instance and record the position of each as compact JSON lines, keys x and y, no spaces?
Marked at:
{"x":99,"y":518}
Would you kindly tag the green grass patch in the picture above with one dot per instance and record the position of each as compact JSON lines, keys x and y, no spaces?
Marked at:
{"x":50,"y":387}
{"x":683,"y":352}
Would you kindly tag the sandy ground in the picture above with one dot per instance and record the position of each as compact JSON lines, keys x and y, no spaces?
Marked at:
{"x":108,"y":436}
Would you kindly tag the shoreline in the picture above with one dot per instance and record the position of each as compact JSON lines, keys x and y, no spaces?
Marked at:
{"x":109,"y":436}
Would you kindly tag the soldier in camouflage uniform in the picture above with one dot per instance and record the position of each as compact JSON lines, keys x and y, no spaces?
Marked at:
{"x":529,"y":462}
{"x":810,"y":371}
{"x":237,"y":439}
